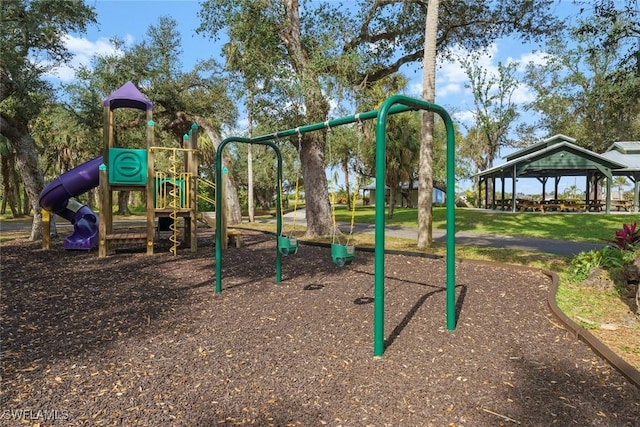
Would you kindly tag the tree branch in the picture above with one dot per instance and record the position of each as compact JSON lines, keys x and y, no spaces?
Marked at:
{"x":369,"y":77}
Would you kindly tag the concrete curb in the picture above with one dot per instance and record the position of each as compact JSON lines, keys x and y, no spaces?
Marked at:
{"x":631,"y":373}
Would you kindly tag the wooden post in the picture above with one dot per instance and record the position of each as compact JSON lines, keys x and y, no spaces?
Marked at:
{"x":151,"y":212}
{"x":107,"y":133}
{"x":105,"y":218}
{"x":223,"y":209}
{"x":46,"y":229}
{"x":192,"y":169}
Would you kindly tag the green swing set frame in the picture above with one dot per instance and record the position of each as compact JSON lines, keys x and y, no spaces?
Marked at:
{"x":393,"y":105}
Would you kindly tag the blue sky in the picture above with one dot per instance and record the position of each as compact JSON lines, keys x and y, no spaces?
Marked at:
{"x":130,"y":19}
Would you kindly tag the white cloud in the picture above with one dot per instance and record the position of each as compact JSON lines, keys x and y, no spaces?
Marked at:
{"x":243,"y":124}
{"x":334,"y":107}
{"x":83,"y":50}
{"x":466,"y":117}
{"x":451,"y":77}
{"x":535,"y":57}
{"x":522,"y":94}
{"x":415,"y":90}
{"x":450,"y":72}
{"x":448,"y":89}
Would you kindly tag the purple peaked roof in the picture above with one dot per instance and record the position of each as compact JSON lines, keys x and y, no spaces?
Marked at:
{"x":128,"y":96}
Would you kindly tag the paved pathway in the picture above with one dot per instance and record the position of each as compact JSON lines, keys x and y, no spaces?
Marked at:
{"x":558,"y":247}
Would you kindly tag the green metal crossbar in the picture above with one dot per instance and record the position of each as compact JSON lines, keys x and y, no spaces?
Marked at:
{"x":392,"y":105}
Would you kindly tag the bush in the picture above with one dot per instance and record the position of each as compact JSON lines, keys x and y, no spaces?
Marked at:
{"x":607,"y":258}
{"x":628,"y":238}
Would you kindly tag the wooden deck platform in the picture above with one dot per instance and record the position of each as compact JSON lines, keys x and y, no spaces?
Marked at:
{"x":124,"y":237}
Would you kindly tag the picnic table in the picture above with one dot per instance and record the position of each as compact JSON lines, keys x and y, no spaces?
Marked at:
{"x":627,"y":205}
{"x":595,"y":206}
{"x":524,"y":205}
{"x":553,"y":205}
{"x":558,"y":205}
{"x":503,"y":204}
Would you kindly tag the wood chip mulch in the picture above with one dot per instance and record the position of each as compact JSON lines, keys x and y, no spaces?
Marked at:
{"x":137,"y":340}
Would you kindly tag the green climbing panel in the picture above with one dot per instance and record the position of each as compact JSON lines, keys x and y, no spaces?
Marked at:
{"x":127,"y":166}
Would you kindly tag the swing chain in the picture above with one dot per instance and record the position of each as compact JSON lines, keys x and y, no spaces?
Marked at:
{"x":332,"y":200}
{"x":297,"y":190}
{"x":359,"y":123}
{"x":299,"y":139}
{"x":360,"y":129}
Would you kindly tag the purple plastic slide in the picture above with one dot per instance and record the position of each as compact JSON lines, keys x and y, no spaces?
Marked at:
{"x":55,"y":198}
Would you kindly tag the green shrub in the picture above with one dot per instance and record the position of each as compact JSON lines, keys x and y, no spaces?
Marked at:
{"x":607,"y":258}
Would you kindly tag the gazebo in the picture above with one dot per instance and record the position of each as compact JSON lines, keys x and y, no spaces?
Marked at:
{"x":558,"y":157}
{"x":627,"y":153}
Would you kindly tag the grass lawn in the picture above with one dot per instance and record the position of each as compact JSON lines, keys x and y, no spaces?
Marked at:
{"x":587,"y":227}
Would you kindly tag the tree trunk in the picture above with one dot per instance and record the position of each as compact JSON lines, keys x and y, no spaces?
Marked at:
{"x":318,"y":209}
{"x":27,"y":164}
{"x":233,"y":202}
{"x":17,"y":195}
{"x":91,"y":198}
{"x":347,"y":187}
{"x":9,"y":185}
{"x":425,"y":178}
{"x":392,"y":200}
{"x":123,"y":203}
{"x":26,"y":207}
{"x":53,"y":227}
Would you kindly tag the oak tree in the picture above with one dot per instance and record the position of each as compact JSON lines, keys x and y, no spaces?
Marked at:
{"x":30,"y":47}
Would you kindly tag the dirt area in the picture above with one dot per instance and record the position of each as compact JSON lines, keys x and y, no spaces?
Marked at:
{"x":144,"y":340}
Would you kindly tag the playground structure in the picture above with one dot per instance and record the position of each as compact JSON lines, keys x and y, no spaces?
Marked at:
{"x":393,"y":105}
{"x":170,"y":192}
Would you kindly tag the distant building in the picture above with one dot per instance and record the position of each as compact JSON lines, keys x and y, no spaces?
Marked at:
{"x":404,"y":196}
{"x":555,"y":157}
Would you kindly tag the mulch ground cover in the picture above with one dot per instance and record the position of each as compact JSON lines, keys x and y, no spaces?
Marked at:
{"x":137,"y":340}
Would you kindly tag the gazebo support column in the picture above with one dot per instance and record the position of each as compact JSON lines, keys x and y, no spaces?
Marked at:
{"x":514,"y":180}
{"x":543,"y":181}
{"x":636,"y":194}
{"x":502,"y":189}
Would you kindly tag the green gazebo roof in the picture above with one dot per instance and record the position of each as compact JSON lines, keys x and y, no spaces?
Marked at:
{"x":555,"y":156}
